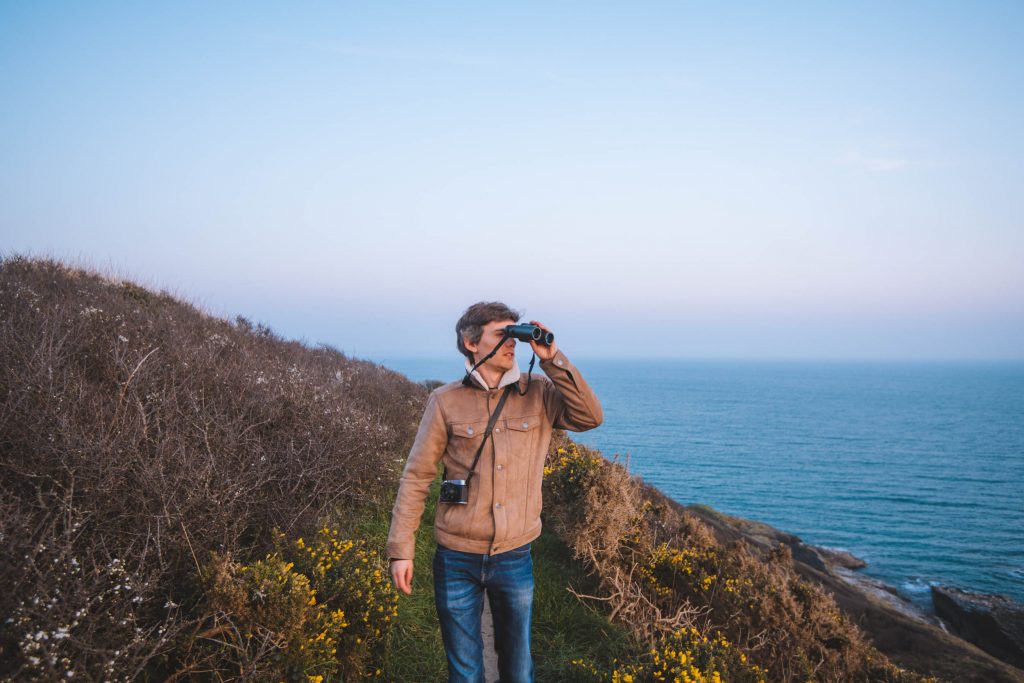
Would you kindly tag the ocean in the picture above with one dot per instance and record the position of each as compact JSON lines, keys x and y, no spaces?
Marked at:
{"x":915,"y":467}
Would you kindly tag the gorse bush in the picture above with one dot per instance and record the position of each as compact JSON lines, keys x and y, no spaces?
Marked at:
{"x":263,"y":622}
{"x":311,"y":611}
{"x":350,"y":578}
{"x":678,"y":571}
{"x":139,"y":435}
{"x":684,"y":656}
{"x":700,"y":608}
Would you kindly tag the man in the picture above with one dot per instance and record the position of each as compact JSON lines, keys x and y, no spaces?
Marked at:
{"x":485,"y":543}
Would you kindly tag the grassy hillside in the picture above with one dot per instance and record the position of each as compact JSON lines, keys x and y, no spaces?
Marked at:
{"x":189,"y":497}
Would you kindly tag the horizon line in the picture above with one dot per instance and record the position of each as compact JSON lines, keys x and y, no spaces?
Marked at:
{"x":758,"y":359}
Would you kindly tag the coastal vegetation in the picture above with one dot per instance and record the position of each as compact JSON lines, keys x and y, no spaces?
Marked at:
{"x":705,"y":610}
{"x":183,"y":496}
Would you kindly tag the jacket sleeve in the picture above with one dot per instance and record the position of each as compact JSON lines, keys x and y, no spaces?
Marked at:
{"x":570,"y":402}
{"x":420,"y":470}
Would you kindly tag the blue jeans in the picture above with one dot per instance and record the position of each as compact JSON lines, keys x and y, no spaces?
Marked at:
{"x":459,"y":583}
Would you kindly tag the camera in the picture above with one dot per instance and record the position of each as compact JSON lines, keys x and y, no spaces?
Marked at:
{"x":454,"y":491}
{"x":528,"y":333}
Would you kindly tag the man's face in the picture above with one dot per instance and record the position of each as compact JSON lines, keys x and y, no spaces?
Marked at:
{"x":505,"y":359}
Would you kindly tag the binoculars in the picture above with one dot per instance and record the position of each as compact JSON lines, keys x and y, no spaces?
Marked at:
{"x":528,"y":333}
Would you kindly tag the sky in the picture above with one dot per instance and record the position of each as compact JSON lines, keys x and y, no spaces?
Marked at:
{"x":696,"y":180}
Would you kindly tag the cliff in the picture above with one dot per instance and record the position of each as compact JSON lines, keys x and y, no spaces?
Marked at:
{"x":183,"y":495}
{"x":910,"y":637}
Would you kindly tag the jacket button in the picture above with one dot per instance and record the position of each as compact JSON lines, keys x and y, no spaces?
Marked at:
{"x":525,"y":425}
{"x":500,"y":466}
{"x":558,"y":362}
{"x":497,"y":505}
{"x":497,"y":429}
{"x":469,"y":430}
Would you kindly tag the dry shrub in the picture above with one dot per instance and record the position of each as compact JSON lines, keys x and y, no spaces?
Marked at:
{"x":137,"y":431}
{"x":662,"y":573}
{"x":595,"y":504}
{"x":596,"y":508}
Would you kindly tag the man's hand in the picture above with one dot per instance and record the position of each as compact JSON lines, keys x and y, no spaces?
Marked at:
{"x":543,"y":352}
{"x":401,"y":575}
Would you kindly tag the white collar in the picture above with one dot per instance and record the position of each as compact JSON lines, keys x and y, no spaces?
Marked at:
{"x":509,"y":377}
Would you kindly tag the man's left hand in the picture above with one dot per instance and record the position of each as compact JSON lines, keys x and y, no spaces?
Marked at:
{"x":543,"y":352}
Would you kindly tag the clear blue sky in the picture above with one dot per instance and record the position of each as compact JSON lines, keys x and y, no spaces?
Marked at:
{"x":799,"y":180}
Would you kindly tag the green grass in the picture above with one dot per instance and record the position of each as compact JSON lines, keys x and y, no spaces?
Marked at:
{"x":416,"y":653}
{"x":564,"y":629}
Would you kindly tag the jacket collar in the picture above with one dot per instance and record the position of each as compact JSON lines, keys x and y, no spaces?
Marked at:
{"x":509,"y":377}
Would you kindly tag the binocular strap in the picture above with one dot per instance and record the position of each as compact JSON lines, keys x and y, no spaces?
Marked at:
{"x":529,"y":371}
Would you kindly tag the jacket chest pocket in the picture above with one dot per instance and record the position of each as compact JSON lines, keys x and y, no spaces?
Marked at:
{"x":468,"y":430}
{"x":522,"y":431}
{"x":463,"y":440}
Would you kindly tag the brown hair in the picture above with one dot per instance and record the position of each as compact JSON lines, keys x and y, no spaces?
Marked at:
{"x":472,"y":322}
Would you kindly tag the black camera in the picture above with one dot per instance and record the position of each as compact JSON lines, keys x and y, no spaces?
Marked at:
{"x":454,"y":491}
{"x":528,"y":333}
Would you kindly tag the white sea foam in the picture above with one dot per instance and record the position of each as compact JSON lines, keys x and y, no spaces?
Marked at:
{"x":918,"y":585}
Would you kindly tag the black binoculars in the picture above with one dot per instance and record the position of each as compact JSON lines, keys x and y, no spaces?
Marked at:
{"x":528,"y":333}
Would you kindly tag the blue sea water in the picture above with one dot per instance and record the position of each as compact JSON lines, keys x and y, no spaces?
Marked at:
{"x":916,"y":467}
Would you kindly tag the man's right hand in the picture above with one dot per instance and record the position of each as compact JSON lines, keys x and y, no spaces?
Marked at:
{"x":401,"y":575}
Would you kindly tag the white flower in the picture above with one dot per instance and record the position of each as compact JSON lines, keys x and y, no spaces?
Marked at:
{"x":122,"y":338}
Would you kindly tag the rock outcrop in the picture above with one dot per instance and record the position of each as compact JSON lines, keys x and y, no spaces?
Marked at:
{"x":995,"y":623}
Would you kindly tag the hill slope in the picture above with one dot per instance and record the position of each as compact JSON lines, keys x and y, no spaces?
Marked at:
{"x":186,"y":496}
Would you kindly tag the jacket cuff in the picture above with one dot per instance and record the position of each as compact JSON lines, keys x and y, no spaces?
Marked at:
{"x":401,"y":551}
{"x":559,"y":361}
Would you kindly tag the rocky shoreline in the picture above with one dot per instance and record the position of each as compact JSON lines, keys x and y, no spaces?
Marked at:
{"x":971,"y":637}
{"x":995,"y":623}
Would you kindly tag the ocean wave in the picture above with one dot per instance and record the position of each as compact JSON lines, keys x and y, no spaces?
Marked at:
{"x":918,"y":586}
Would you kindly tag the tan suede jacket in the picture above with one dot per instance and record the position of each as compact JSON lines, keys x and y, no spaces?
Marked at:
{"x":505,"y":493}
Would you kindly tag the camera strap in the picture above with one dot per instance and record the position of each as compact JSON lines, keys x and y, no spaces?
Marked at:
{"x":487,"y":433}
